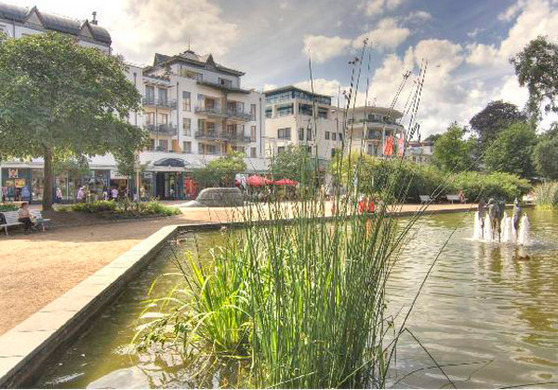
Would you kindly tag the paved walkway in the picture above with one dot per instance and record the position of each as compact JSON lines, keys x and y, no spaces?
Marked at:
{"x":35,"y":269}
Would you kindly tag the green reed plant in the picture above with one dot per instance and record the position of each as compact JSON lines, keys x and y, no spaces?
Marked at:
{"x":546,"y":195}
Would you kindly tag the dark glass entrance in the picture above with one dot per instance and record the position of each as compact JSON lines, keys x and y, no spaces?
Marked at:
{"x":166,"y":185}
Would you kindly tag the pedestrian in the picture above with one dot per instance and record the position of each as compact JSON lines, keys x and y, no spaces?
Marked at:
{"x":25,"y":194}
{"x":24,"y":216}
{"x":461,"y":196}
{"x":114,"y":193}
{"x":80,"y":196}
{"x":58,"y":194}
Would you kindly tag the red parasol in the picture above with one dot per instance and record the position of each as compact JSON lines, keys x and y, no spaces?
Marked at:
{"x":257,"y":181}
{"x":285,"y":182}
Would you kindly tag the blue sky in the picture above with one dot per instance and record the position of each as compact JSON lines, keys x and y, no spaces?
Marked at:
{"x":467,"y":43}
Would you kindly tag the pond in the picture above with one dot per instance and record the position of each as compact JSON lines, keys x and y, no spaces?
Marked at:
{"x":488,"y":314}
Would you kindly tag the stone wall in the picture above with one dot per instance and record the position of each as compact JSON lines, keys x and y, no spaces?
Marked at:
{"x":221,"y":197}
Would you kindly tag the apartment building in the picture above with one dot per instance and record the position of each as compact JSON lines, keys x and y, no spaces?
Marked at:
{"x":290,"y":120}
{"x":420,"y":152}
{"x":17,"y":22}
{"x":376,"y":131}
{"x":194,"y":109}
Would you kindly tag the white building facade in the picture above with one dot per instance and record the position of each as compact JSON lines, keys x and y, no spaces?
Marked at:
{"x":194,"y":109}
{"x":290,"y":120}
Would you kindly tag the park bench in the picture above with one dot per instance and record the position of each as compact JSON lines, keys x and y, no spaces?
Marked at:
{"x":12,"y":219}
{"x":425,"y":199}
{"x":453,"y":198}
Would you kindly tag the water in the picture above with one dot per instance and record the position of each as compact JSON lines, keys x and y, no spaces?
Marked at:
{"x":492,"y":307}
{"x":508,"y":234}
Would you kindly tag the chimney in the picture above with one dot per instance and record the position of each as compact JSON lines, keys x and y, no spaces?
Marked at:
{"x":94,"y":21}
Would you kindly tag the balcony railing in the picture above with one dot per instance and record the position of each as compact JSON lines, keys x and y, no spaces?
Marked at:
{"x":208,"y":135}
{"x":212,"y":111}
{"x":373,"y":135}
{"x":160,"y":103}
{"x":163,"y":129}
{"x":351,"y":121}
{"x":235,"y":137}
{"x":239,"y":115}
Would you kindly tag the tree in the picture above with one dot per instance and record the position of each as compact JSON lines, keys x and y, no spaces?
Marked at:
{"x":58,"y":100}
{"x":536,"y":67}
{"x":433,"y":138}
{"x":293,"y":163}
{"x":546,"y":158}
{"x":512,"y":151}
{"x":452,"y":153}
{"x":494,"y":118}
{"x":222,"y":171}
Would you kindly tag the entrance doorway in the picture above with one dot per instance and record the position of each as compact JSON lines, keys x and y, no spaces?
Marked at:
{"x":165,"y":185}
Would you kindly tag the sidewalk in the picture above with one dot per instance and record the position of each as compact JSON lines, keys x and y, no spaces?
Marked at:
{"x":37,"y":268}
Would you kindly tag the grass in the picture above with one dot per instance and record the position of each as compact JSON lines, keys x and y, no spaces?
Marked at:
{"x":546,"y":195}
{"x":109,"y":208}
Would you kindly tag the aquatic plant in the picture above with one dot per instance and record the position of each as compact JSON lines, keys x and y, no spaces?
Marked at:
{"x":546,"y":195}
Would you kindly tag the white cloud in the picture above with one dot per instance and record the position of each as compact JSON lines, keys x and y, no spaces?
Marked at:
{"x":269,"y":87}
{"x":323,"y":48}
{"x":473,"y":34}
{"x":418,"y":16}
{"x":511,"y":11}
{"x":483,"y":55}
{"x":387,"y":35}
{"x":378,"y":7}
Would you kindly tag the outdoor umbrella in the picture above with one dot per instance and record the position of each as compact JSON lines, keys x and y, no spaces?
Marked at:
{"x":257,"y":181}
{"x":285,"y":182}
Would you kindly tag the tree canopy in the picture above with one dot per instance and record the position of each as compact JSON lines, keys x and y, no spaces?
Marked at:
{"x":494,"y":118}
{"x":512,"y":151}
{"x":221,"y":172}
{"x":536,"y":67}
{"x":453,"y":153}
{"x":546,"y":154}
{"x":59,"y":99}
{"x":293,"y":163}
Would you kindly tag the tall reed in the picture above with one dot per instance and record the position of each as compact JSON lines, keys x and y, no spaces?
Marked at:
{"x":546,"y":195}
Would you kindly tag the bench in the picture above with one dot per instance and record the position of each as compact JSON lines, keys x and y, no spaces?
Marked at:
{"x":12,"y":219}
{"x":454,"y":198}
{"x":425,"y":199}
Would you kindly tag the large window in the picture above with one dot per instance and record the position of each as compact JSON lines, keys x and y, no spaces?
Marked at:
{"x":163,"y":119}
{"x":253,"y":133}
{"x":301,"y":134}
{"x":186,"y":101}
{"x":309,"y":135}
{"x":187,"y":126}
{"x":284,"y":133}
{"x":225,"y":82}
{"x":150,"y":118}
{"x":285,"y":110}
{"x":149,"y":93}
{"x":162,"y":95}
{"x":186,"y":147}
{"x":268,"y":112}
{"x":253,"y":112}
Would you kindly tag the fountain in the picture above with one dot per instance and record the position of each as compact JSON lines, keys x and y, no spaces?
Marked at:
{"x":509,"y":234}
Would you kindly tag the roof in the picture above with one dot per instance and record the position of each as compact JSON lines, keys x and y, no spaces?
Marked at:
{"x":192,"y":58}
{"x":393,"y":113}
{"x":293,"y":88}
{"x":54,"y":22}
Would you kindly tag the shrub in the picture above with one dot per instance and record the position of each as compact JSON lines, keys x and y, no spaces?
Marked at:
{"x":546,"y":195}
{"x":494,"y":185}
{"x":125,"y":209}
{"x":8,"y":207}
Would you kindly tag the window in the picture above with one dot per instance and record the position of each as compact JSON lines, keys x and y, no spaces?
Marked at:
{"x":151,"y":144}
{"x":309,"y":134}
{"x":186,"y":101}
{"x":162,"y":95}
{"x":370,"y":149}
{"x":280,"y":149}
{"x":163,"y":119}
{"x":268,"y":112}
{"x":150,"y":118}
{"x":253,"y":133}
{"x":322,"y":113}
{"x":191,"y":75}
{"x":252,"y":152}
{"x":284,"y":133}
{"x":225,"y":82}
{"x":187,"y":126}
{"x":334,"y":136}
{"x":201,"y":125}
{"x":211,"y":149}
{"x":301,"y":134}
{"x":285,"y":110}
{"x":327,"y":135}
{"x":186,"y":147}
{"x":201,"y":101}
{"x":149,"y":93}
{"x":164,"y":145}
{"x":340,"y":136}
{"x":333,"y":152}
{"x":253,"y":112}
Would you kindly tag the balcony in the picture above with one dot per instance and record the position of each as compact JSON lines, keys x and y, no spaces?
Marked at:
{"x":210,"y":111}
{"x":234,"y":137}
{"x":207,"y":135}
{"x":164,"y":129}
{"x":239,"y":115}
{"x":159,"y":103}
{"x":374,"y":135}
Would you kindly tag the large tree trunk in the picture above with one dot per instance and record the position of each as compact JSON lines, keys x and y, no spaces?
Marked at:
{"x":49,"y":180}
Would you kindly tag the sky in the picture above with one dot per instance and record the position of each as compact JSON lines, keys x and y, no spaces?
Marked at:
{"x":467,"y":44}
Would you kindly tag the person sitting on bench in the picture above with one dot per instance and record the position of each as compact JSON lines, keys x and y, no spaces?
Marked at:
{"x":24,"y":216}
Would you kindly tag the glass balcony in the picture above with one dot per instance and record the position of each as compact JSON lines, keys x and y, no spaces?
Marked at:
{"x":239,"y":115}
{"x":163,"y":129}
{"x":150,"y":101}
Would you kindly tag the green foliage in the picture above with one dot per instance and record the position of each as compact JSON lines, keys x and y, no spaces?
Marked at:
{"x":221,"y":172}
{"x":74,"y":167}
{"x":294,"y":163}
{"x":512,"y":151}
{"x":535,"y":68}
{"x":498,"y":185}
{"x":546,"y":157}
{"x":452,"y":153}
{"x":546,"y":195}
{"x":110,"y":208}
{"x":63,"y":100}
{"x":8,"y":207}
{"x":495,"y":117}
